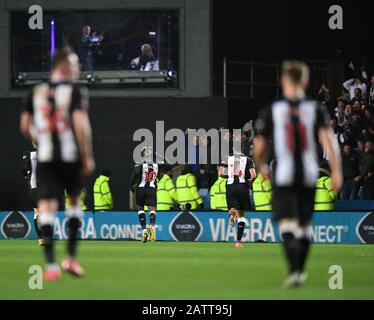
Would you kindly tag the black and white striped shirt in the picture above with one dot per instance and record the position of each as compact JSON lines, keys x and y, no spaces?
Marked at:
{"x":145,"y":175}
{"x":237,"y":168}
{"x":33,"y":162}
{"x":293,"y":127}
{"x":51,"y":105}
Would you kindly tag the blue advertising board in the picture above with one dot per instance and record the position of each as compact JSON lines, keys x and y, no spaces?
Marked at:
{"x":327,"y":227}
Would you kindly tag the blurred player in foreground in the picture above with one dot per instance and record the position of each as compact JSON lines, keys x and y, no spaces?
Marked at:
{"x":144,"y":183}
{"x":295,"y":125}
{"x":56,"y":115}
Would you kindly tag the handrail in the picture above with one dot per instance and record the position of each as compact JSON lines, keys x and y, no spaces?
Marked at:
{"x":319,"y":71}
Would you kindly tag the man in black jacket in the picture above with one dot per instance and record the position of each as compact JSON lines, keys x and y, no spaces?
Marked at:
{"x":89,"y":45}
{"x":350,"y":163}
{"x":367,"y":166}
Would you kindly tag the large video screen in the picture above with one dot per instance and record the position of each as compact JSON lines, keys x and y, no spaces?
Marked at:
{"x":124,"y":48}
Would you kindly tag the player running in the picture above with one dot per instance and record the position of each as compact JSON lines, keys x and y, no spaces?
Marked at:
{"x":240,"y":173}
{"x":29,"y":163}
{"x":144,"y":183}
{"x":56,"y":115}
{"x":295,"y":125}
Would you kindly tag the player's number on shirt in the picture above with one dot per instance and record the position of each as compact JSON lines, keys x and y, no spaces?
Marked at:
{"x":150,"y":176}
{"x":290,"y":134}
{"x":54,"y":121}
{"x":237,"y":171}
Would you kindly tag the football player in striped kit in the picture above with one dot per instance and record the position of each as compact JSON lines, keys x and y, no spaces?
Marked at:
{"x":144,"y":183}
{"x":241,"y":172}
{"x":291,"y":129}
{"x":56,"y":115}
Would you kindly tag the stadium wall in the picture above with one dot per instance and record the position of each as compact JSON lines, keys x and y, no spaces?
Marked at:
{"x":114,"y":122}
{"x":327,"y":227}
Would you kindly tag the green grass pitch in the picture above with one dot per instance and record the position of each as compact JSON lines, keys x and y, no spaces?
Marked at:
{"x":171,"y":270}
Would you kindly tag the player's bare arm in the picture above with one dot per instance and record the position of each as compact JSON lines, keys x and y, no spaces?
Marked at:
{"x":26,"y":125}
{"x":253,"y":174}
{"x":83,"y":131}
{"x":333,"y":153}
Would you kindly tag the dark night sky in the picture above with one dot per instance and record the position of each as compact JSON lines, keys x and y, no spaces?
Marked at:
{"x":275,"y":30}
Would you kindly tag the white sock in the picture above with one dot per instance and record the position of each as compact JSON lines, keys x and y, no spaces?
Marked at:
{"x":47,"y":218}
{"x":74,"y":212}
{"x":52,"y":266}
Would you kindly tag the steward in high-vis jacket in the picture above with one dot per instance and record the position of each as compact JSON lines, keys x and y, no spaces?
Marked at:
{"x":187,"y":191}
{"x":218,"y":192}
{"x":166,"y":193}
{"x":262,"y":193}
{"x":103,"y":200}
{"x":325,"y":196}
{"x":81,"y":200}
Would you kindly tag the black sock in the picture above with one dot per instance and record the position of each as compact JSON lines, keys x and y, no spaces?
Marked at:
{"x":37,"y":229}
{"x":291,"y":247}
{"x":47,"y":231}
{"x":241,"y":226}
{"x":142,"y":219}
{"x":304,"y":245}
{"x":152,"y":218}
{"x":74,"y":225}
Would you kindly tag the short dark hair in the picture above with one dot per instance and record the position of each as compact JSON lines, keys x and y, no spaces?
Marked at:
{"x":61,"y":56}
{"x":297,"y":71}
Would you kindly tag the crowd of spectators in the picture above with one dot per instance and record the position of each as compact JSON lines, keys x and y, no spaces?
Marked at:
{"x":352,"y":119}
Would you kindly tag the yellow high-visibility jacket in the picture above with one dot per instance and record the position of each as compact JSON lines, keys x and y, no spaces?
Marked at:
{"x":166,"y":194}
{"x":81,"y":200}
{"x":262,"y":193}
{"x":218,"y":195}
{"x":325,"y":196}
{"x":187,"y":191}
{"x":103,"y":200}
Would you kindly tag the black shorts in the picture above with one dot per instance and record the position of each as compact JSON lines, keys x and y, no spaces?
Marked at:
{"x":293,"y":203}
{"x":237,"y":196}
{"x":146,"y":196}
{"x":54,"y":178}
{"x":34,"y":198}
